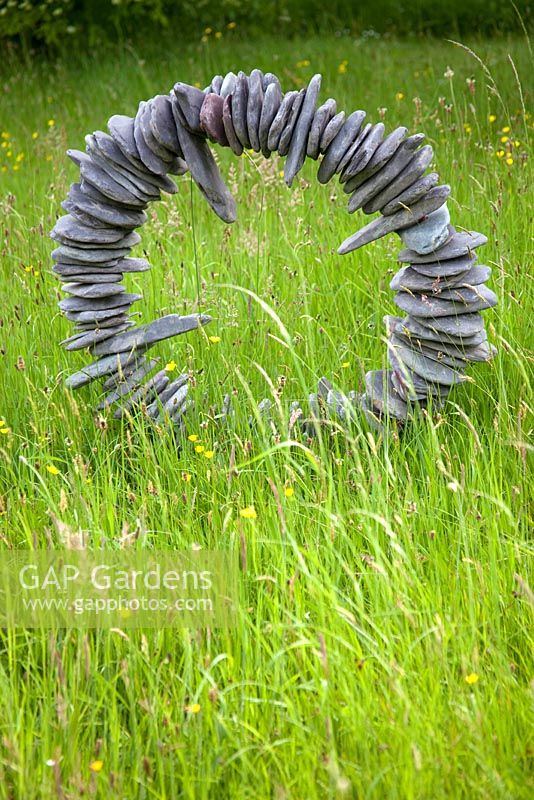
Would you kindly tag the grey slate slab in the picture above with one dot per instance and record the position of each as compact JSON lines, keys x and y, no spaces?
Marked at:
{"x":99,"y":369}
{"x":411,"y":172}
{"x":280,"y":121}
{"x":299,"y":140}
{"x":382,"y":396}
{"x":331,"y":131}
{"x":93,"y":290}
{"x":211,"y":119}
{"x":383,"y":225}
{"x":382,"y":155}
{"x":287,"y":133}
{"x":321,"y":118}
{"x":229,"y":129}
{"x":69,"y":227}
{"x":461,"y":243}
{"x":434,"y":307}
{"x":186,"y":102}
{"x":89,"y":338}
{"x":271,"y":103}
{"x":239,"y":109}
{"x":107,"y":213}
{"x":254,"y":106}
{"x":339,"y":146}
{"x":156,"y":331}
{"x":412,"y":194}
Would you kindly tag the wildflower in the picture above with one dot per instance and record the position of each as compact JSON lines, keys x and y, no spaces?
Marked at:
{"x":35,"y":135}
{"x":492,"y":117}
{"x":471,"y":83}
{"x":199,"y":448}
{"x":289,"y":491}
{"x":471,"y":679}
{"x":20,"y":157}
{"x":207,"y":31}
{"x":214,"y":339}
{"x":16,"y":167}
{"x":4,"y":135}
{"x":399,"y":96}
{"x":52,"y":469}
{"x":504,"y":139}
{"x":248,"y":513}
{"x":5,"y":144}
{"x":449,"y":73}
{"x":506,"y":129}
{"x":231,"y":26}
{"x":5,"y":429}
{"x":509,"y":161}
{"x":203,"y":39}
{"x":345,"y":365}
{"x":516,"y":143}
{"x":342,"y":67}
{"x":499,"y":153}
{"x":304,"y":63}
{"x":51,"y":123}
{"x":194,"y":708}
{"x":218,"y":35}
{"x":96,"y":766}
{"x":467,"y":127}
{"x":50,"y":762}
{"x":186,"y":476}
{"x":193,"y":437}
{"x":170,"y":366}
{"x":208,"y":454}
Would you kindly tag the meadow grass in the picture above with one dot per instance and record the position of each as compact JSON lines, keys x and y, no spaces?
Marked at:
{"x":400,"y":564}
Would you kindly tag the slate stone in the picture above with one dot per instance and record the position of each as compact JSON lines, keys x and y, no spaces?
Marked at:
{"x":87,"y":339}
{"x":331,"y":131}
{"x":174,"y":402}
{"x":98,"y":369}
{"x":167,"y":394}
{"x":186,"y":104}
{"x":469,"y":295}
{"x":366,"y":191}
{"x":122,"y":374}
{"x":228,"y":85}
{"x":145,"y":394}
{"x":127,"y":384}
{"x":382,"y":155}
{"x":407,"y":279}
{"x":480,"y":352}
{"x":76,"y":255}
{"x":211,"y":119}
{"x":104,"y":276}
{"x":162,"y":125}
{"x":411,"y":172}
{"x":339,"y":146}
{"x":430,"y":233}
{"x":271,"y":103}
{"x":434,"y":307}
{"x":97,"y":304}
{"x":216,"y":84}
{"x":412,"y":194}
{"x":149,"y":158}
{"x":383,"y":225}
{"x":445,"y":269}
{"x":128,"y":240}
{"x":461,"y":243}
{"x":229,"y":129}
{"x":156,"y":331}
{"x":428,"y":368}
{"x":239,"y":109}
{"x":121,"y":129}
{"x":69,"y":227}
{"x":287,"y":133}
{"x":382,"y":397}
{"x":104,"y":320}
{"x":438,"y":354}
{"x":366,"y":149}
{"x":460,"y":325}
{"x":107,"y":186}
{"x":321,"y":118}
{"x":107,"y":213}
{"x":280,"y":121}
{"x":269,"y":78}
{"x":133,"y":265}
{"x":141,"y":183}
{"x":155,"y":146}
{"x":205,"y":173}
{"x":469,"y":333}
{"x":93,"y":290}
{"x":254,"y":106}
{"x":86,"y":219}
{"x":365,"y":130}
{"x":299,"y":140}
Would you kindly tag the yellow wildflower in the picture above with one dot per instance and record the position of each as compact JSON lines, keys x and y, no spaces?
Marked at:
{"x":52,"y":469}
{"x":471,"y":679}
{"x":199,"y":448}
{"x":193,"y":437}
{"x":231,"y":26}
{"x":35,"y":135}
{"x":51,"y":123}
{"x":492,"y":117}
{"x":207,"y":31}
{"x":214,"y":339}
{"x":342,"y":67}
{"x":399,"y":96}
{"x":170,"y":366}
{"x":345,"y":365}
{"x":506,"y":129}
{"x":509,"y":161}
{"x":20,"y":157}
{"x":194,"y":708}
{"x":186,"y":476}
{"x":504,"y":139}
{"x":248,"y":513}
{"x":218,"y":35}
{"x":499,"y":153}
{"x":5,"y":430}
{"x":289,"y":491}
{"x":208,"y":454}
{"x":96,"y":766}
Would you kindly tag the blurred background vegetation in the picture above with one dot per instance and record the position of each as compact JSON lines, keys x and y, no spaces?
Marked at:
{"x":60,"y":24}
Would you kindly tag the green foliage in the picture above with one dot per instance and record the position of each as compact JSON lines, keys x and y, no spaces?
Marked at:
{"x":55,"y":21}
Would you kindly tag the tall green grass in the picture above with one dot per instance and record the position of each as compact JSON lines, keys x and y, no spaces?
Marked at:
{"x":401,"y":564}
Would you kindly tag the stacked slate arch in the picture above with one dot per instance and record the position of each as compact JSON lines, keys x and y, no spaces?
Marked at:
{"x":440,"y":287}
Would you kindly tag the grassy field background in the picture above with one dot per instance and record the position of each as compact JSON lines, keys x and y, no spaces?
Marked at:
{"x":383,"y":645}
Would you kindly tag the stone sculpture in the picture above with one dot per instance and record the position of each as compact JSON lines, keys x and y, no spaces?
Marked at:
{"x":439,"y":287}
